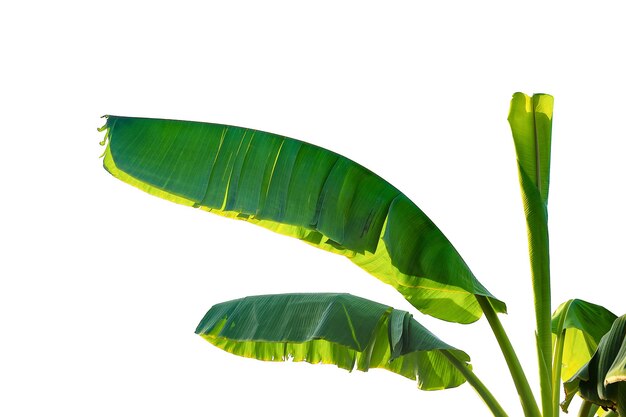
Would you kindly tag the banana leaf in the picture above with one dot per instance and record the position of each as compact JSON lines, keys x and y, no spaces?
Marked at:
{"x":341,"y":329}
{"x":582,"y":325}
{"x":531,"y":124}
{"x":602,"y":380}
{"x":303,"y":191}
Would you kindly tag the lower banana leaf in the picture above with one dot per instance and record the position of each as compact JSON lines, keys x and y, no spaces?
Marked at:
{"x":303,"y":191}
{"x":338,"y":329}
{"x":583,"y":325}
{"x":602,"y":380}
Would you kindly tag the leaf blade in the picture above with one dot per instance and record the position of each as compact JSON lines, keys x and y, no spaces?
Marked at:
{"x":341,"y":329}
{"x":584,"y":324}
{"x":602,"y":380}
{"x":299,"y":190}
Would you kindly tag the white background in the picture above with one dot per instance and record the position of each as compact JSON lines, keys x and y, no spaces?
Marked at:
{"x":102,"y":285}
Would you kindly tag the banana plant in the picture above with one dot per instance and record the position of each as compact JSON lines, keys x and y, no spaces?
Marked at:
{"x":331,"y":202}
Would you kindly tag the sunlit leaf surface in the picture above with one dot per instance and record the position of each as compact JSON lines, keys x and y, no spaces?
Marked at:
{"x":602,"y":380}
{"x":584,"y":324}
{"x":303,"y":191}
{"x":341,"y":329}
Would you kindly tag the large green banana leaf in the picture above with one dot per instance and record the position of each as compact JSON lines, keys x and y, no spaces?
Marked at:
{"x":602,"y":380}
{"x":299,"y":190}
{"x":582,"y":324}
{"x":338,"y":329}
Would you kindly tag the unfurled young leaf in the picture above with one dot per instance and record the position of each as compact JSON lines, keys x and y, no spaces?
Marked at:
{"x":299,"y":190}
{"x":602,"y":380}
{"x":341,"y":329}
{"x":582,"y":324}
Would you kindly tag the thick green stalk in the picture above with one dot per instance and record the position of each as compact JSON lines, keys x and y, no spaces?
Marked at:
{"x":527,"y":399}
{"x":477,"y":384}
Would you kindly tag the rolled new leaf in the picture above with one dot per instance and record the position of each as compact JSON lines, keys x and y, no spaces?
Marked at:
{"x":582,"y":325}
{"x":341,"y":329}
{"x":602,"y":380}
{"x":531,"y":124}
{"x":303,"y":191}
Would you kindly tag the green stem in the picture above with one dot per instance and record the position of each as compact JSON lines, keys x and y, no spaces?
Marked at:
{"x":477,"y":384}
{"x":588,"y":409}
{"x":557,"y":366}
{"x":529,"y":404}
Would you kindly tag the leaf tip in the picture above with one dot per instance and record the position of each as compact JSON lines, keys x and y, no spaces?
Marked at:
{"x":544,"y":103}
{"x":522,"y":104}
